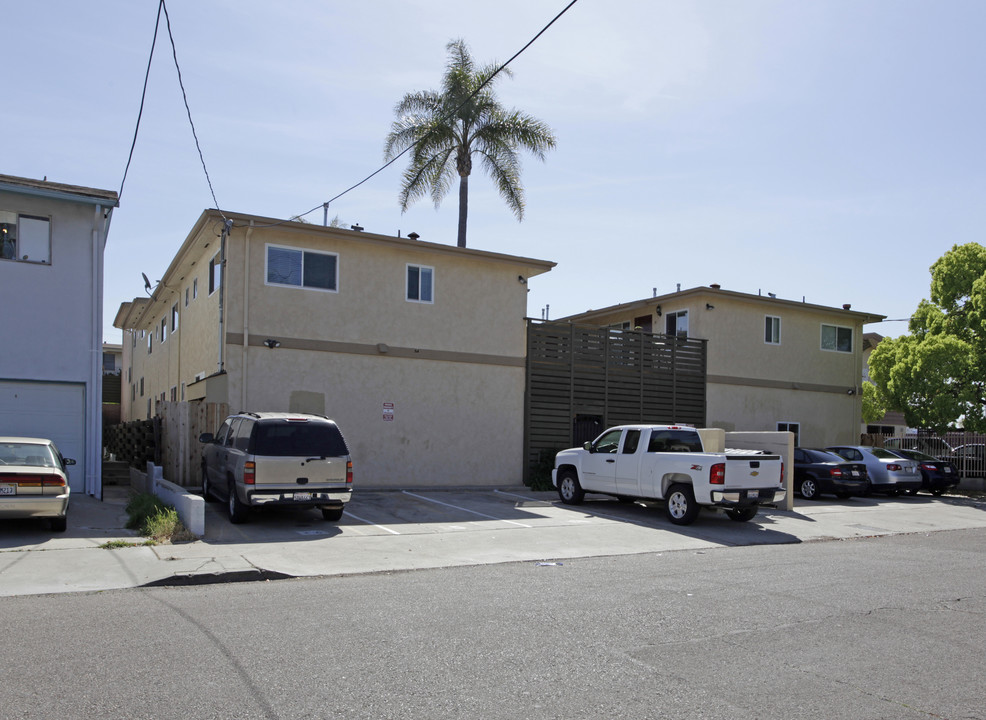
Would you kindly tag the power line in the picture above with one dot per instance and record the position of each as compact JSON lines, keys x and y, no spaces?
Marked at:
{"x":174,"y":53}
{"x":449,"y":115}
{"x":143,"y":96}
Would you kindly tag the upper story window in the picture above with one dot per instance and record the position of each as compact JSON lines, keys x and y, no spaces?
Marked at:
{"x":420,"y":282}
{"x":215,"y":274}
{"x":837,"y":338}
{"x":186,"y":297}
{"x":676,"y":323}
{"x":302,"y":268}
{"x":772,"y":330}
{"x":150,"y":342}
{"x":174,"y":318}
{"x":25,"y":238}
{"x":164,"y":329}
{"x":195,"y":288}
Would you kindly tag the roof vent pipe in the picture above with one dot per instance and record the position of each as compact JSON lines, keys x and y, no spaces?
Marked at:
{"x":715,"y":286}
{"x":847,"y":306}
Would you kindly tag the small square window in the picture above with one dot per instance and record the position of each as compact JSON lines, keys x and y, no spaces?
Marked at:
{"x":25,"y":238}
{"x":836,"y":338}
{"x":420,"y":282}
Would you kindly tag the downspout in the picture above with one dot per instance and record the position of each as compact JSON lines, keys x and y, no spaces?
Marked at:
{"x":246,"y":318}
{"x":222,"y":290}
{"x":94,"y":399}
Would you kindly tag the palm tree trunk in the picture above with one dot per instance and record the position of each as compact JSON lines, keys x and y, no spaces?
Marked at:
{"x":463,"y":208}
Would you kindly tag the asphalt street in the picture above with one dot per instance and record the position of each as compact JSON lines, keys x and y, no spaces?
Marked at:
{"x":867,"y":627}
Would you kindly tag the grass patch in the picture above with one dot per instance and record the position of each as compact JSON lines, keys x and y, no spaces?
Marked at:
{"x":149,"y":516}
{"x":115,"y":544}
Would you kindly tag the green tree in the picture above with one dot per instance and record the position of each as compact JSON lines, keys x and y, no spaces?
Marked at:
{"x":936,"y":374}
{"x":874,"y":407}
{"x":446,"y":128}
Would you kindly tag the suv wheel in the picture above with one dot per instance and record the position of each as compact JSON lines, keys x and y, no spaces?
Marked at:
{"x":238,"y":512}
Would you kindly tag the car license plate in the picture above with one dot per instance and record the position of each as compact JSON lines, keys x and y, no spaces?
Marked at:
{"x":8,"y":489}
{"x":948,"y":470}
{"x":302,"y":496}
{"x":752,"y":494}
{"x":855,"y":473}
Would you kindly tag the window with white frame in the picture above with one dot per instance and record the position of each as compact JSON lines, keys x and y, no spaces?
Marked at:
{"x":420,"y":283}
{"x":25,"y":238}
{"x":676,"y":323}
{"x":164,"y":329}
{"x":837,"y":338}
{"x":174,"y":318}
{"x":150,"y":342}
{"x":792,"y":427}
{"x":302,"y":268}
{"x":215,"y":274}
{"x":772,"y":330}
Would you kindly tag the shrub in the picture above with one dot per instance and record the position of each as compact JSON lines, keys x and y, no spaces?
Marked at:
{"x":149,"y":516}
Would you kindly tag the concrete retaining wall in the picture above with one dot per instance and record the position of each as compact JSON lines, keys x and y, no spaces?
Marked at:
{"x":191,"y":508}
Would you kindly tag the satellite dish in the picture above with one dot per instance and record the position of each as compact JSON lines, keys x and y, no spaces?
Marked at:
{"x":147,"y":283}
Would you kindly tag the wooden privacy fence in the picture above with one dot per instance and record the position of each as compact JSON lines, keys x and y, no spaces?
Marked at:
{"x":581,"y":380}
{"x":181,"y":425}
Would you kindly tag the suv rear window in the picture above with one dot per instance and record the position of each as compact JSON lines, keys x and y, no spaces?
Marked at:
{"x":284,"y":438}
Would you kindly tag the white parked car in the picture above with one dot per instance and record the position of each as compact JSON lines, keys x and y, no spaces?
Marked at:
{"x":34,"y":481}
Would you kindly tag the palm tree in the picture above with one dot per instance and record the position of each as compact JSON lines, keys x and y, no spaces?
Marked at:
{"x":444,"y":129}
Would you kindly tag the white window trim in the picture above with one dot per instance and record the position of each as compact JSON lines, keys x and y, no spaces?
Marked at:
{"x":677,"y":313}
{"x":821,"y":338}
{"x":407,"y":285}
{"x":778,"y":319}
{"x":214,"y":264}
{"x":301,"y":250}
{"x":797,"y":435}
{"x":174,"y":318}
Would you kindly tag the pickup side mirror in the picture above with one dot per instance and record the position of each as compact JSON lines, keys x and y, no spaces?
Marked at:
{"x":205,"y":438}
{"x":587,"y":445}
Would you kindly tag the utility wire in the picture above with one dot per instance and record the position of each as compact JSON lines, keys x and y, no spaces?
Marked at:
{"x":449,"y":115}
{"x":143,"y":96}
{"x":174,"y":53}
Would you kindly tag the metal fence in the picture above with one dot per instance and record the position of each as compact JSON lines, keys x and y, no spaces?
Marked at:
{"x":967,"y":451}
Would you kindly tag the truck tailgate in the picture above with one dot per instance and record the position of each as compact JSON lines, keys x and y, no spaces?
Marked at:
{"x":753,"y":471}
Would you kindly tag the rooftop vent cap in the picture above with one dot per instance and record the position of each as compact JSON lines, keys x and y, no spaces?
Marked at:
{"x":715,"y":286}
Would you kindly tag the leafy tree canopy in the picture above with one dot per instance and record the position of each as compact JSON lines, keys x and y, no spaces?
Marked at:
{"x":936,"y":374}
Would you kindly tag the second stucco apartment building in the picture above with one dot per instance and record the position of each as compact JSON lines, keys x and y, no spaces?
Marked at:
{"x":772,"y":364}
{"x":416,"y":349}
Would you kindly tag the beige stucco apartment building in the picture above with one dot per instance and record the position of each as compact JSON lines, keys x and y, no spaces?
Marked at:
{"x":773,"y":364}
{"x":416,"y":349}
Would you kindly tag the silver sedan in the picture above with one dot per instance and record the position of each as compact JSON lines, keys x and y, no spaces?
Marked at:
{"x":889,"y":473}
{"x":33,"y":480}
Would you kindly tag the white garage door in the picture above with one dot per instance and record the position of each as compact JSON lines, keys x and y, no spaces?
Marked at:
{"x":49,"y":410}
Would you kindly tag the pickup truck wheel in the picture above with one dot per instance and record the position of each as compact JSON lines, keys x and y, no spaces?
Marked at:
{"x":332,"y":513}
{"x":808,"y":489}
{"x":680,"y":505}
{"x":238,"y":512}
{"x":569,"y":489}
{"x":742,"y":514}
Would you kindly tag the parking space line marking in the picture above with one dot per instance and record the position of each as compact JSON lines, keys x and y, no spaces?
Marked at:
{"x":362,"y":520}
{"x":522,"y":497}
{"x":456,"y":507}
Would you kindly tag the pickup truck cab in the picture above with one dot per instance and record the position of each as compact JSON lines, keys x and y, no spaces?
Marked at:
{"x":669,"y":463}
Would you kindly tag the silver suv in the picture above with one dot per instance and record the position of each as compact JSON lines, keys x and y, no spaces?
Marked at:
{"x":268,"y":458}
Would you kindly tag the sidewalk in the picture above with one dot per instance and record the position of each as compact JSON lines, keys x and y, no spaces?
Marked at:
{"x":34,"y":561}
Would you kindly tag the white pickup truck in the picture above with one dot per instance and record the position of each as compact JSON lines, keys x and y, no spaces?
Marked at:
{"x":669,"y":463}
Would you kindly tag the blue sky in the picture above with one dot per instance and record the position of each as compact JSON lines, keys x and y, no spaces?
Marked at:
{"x":827,"y":150}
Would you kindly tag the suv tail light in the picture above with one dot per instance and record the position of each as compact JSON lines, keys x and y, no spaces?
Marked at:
{"x":717,"y":474}
{"x":349,"y":472}
{"x":249,"y":472}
